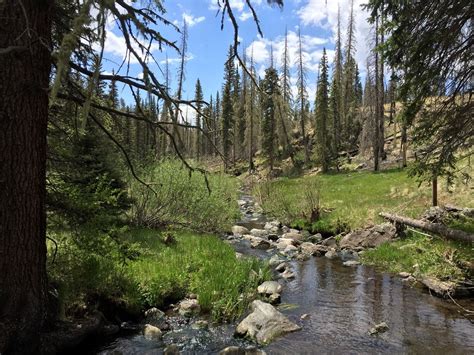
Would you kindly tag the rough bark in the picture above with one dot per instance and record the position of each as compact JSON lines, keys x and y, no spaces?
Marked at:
{"x":431,"y":227}
{"x":25,"y":63}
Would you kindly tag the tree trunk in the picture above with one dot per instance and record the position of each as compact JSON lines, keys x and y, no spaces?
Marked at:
{"x":431,"y":227}
{"x":434,"y":184}
{"x":25,"y":64}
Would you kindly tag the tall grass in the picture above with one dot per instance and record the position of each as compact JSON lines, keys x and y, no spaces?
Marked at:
{"x":200,"y":264}
{"x":353,"y":199}
{"x":423,"y":255}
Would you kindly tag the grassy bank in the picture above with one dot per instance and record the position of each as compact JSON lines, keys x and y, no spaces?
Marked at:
{"x":160,"y":274}
{"x":200,"y":264}
{"x":350,"y":200}
{"x":424,"y":256}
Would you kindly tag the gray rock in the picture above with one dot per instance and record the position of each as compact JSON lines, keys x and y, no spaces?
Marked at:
{"x":259,"y":243}
{"x":351,"y":263}
{"x":171,"y":349}
{"x":151,"y":332}
{"x":200,"y":324}
{"x":272,"y":227}
{"x":315,"y":238}
{"x":239,"y":230}
{"x":261,"y":233}
{"x":235,"y":350}
{"x":379,"y":328}
{"x":269,"y":287}
{"x":308,"y":248}
{"x":304,"y":316}
{"x":285,"y":229}
{"x":265,"y":323}
{"x":189,"y":307}
{"x":404,"y":274}
{"x":287,"y":274}
{"x":281,"y":267}
{"x":369,"y":238}
{"x":294,"y":236}
{"x":275,"y":260}
{"x":274,"y":298}
{"x":329,"y":242}
{"x":331,"y":254}
{"x":154,"y":315}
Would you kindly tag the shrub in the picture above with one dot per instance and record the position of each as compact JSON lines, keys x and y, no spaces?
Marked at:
{"x":177,"y":197}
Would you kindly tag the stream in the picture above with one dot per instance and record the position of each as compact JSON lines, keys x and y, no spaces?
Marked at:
{"x":341,"y":304}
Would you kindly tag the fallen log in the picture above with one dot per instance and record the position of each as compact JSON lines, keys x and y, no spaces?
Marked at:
{"x":436,"y":228}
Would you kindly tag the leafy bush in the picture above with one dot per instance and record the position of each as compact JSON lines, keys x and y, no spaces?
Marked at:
{"x":177,"y":197}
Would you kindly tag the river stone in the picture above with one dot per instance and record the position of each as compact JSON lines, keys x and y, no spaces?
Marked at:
{"x":294,"y":236}
{"x":269,"y":287}
{"x":315,"y":238}
{"x":154,"y":314}
{"x":329,"y":242}
{"x":308,"y":248}
{"x":290,"y":249}
{"x":235,"y":350}
{"x":171,"y":349}
{"x":379,"y":328}
{"x":404,"y":274}
{"x":265,"y":323}
{"x":151,"y":332}
{"x":287,"y":274}
{"x":200,"y":324}
{"x":189,"y":307}
{"x":281,"y":267}
{"x":239,"y":230}
{"x":331,"y":254}
{"x":261,"y":233}
{"x":351,"y":263}
{"x":284,"y":242}
{"x":369,"y":238}
{"x":259,"y":243}
{"x":272,"y":227}
{"x":275,"y":260}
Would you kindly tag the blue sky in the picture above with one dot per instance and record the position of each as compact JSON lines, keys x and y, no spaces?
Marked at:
{"x":208,"y":45}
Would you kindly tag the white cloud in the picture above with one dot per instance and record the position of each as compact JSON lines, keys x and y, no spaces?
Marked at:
{"x":176,"y":60}
{"x":322,"y":13}
{"x":312,"y":49}
{"x":245,"y":15}
{"x":191,"y":20}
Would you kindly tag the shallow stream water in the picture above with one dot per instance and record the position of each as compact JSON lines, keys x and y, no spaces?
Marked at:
{"x":341,"y":303}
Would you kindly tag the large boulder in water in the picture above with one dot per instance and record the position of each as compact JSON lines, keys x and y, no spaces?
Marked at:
{"x":369,"y":238}
{"x":269,"y":288}
{"x":265,"y":323}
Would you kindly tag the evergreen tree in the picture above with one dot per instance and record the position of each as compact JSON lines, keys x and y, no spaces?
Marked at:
{"x":198,"y":149}
{"x":322,"y":115}
{"x":228,"y":107}
{"x":302,"y":97}
{"x":271,"y":92}
{"x":336,"y":102}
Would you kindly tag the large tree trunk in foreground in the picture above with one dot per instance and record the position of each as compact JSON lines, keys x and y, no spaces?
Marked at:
{"x":431,"y":227}
{"x":25,"y":64}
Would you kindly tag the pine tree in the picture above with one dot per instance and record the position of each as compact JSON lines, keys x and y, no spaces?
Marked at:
{"x":336,"y":101}
{"x":198,"y":148}
{"x":322,"y":115}
{"x":302,"y":97}
{"x":228,"y":108}
{"x":271,"y":92}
